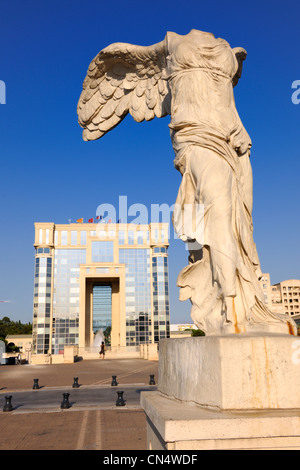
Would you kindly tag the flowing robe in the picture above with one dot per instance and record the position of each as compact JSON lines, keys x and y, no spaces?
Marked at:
{"x":212,"y":152}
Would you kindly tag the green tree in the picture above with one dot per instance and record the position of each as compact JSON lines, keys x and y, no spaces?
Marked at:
{"x":9,"y":327}
{"x":106,"y":334}
{"x":197,"y":333}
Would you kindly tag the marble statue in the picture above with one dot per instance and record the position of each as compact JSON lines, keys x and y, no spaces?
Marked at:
{"x":191,"y":78}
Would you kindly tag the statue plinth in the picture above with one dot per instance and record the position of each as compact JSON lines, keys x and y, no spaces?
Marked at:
{"x":232,"y":372}
{"x":212,"y":390}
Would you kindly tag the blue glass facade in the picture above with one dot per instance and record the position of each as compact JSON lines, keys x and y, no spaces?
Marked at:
{"x":102,"y":304}
{"x":138,"y":294}
{"x":160,"y":294}
{"x":107,"y":261}
{"x":42,"y":302}
{"x":102,"y":252}
{"x":66,"y":297}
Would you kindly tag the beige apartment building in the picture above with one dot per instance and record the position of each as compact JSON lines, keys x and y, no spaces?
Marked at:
{"x":91,"y":278}
{"x":283,"y":297}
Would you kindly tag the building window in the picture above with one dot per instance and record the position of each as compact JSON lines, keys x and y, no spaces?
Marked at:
{"x":102,"y":234}
{"x":83,"y":237}
{"x":43,"y":250}
{"x":73,"y":237}
{"x":130,"y":237}
{"x":102,"y":252}
{"x":121,"y":237}
{"x":140,"y":237}
{"x":159,"y":249}
{"x":64,"y":237}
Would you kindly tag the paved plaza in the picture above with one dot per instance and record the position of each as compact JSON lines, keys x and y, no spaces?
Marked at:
{"x":92,"y":422}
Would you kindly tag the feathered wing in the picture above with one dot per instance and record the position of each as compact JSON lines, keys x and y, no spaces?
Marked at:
{"x":123,"y":78}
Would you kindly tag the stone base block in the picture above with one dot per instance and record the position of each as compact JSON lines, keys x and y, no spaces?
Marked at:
{"x":232,"y":372}
{"x":174,"y":425}
{"x":151,"y":352}
{"x":40,"y":359}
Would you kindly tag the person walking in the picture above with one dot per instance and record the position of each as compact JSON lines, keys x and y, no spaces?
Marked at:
{"x":102,"y":350}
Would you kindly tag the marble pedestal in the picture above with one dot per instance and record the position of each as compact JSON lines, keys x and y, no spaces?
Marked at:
{"x":226,"y":392}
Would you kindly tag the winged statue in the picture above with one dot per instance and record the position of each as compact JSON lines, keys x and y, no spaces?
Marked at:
{"x":191,"y":78}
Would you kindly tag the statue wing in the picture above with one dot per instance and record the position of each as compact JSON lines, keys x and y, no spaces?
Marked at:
{"x":123,"y":78}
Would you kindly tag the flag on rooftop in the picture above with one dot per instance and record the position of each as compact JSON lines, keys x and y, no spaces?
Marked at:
{"x":91,"y":221}
{"x":80,"y":221}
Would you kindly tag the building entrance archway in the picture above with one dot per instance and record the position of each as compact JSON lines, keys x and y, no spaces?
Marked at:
{"x":101,"y":307}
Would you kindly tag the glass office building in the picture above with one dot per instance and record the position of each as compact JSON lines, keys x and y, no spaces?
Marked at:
{"x":94,"y":277}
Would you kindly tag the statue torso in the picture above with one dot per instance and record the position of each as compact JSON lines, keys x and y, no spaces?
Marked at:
{"x":200,"y":69}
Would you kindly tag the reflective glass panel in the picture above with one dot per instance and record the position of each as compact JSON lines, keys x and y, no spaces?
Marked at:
{"x":101,"y":307}
{"x":102,"y":252}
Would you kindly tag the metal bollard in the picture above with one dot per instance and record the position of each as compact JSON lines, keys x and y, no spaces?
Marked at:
{"x":35,"y":384}
{"x":120,"y":400}
{"x":8,"y":405}
{"x":65,"y":403}
{"x":75,"y":383}
{"x":151,"y":381}
{"x":114,"y":381}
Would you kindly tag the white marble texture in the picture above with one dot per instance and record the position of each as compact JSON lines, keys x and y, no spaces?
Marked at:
{"x":192,"y":78}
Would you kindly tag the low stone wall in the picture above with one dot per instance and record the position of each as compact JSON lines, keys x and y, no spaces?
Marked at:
{"x":70,"y":355}
{"x":73,"y":353}
{"x":41,"y":359}
{"x":149,"y":351}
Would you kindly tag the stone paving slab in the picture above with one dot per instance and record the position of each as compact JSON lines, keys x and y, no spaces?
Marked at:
{"x":91,"y":429}
{"x":89,"y":372}
{"x":89,"y":426}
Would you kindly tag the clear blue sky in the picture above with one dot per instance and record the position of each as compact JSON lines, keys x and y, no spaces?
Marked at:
{"x":48,"y":173}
